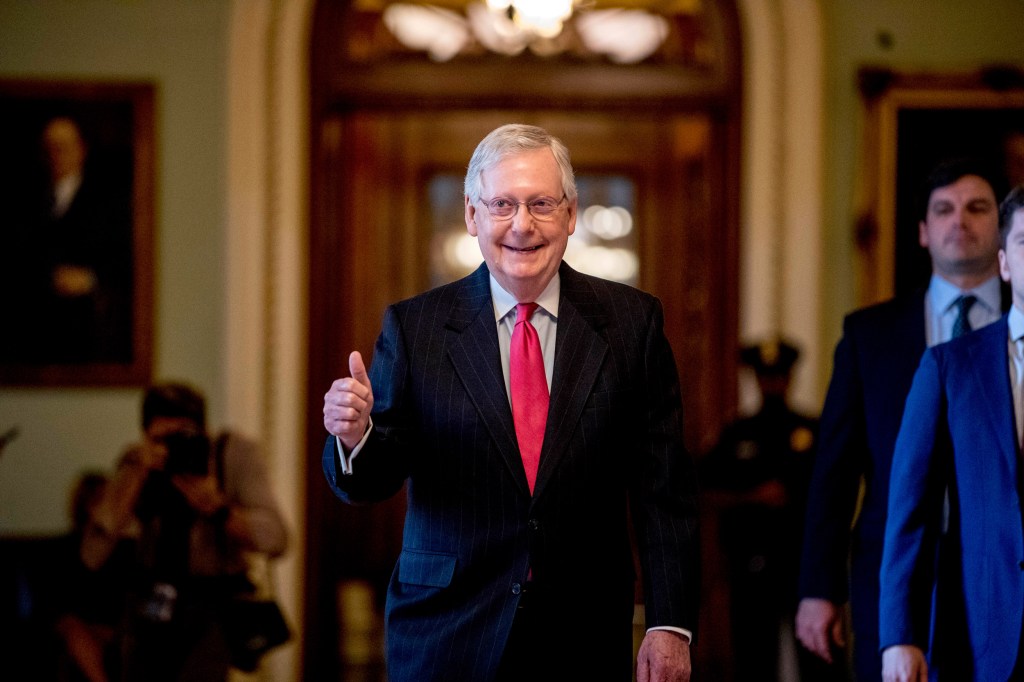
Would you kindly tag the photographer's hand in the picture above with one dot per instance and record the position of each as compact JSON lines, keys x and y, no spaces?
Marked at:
{"x":113,"y":515}
{"x":203,"y":495}
{"x":201,"y":492}
{"x":152,"y":454}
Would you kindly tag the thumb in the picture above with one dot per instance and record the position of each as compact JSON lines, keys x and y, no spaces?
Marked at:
{"x":357,"y":368}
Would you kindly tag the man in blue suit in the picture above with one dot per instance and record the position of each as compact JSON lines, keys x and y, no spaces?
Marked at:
{"x":512,"y":569}
{"x":961,"y":431}
{"x":872,"y":372}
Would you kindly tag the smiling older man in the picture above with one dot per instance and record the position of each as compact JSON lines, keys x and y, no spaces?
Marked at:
{"x":533,"y":412}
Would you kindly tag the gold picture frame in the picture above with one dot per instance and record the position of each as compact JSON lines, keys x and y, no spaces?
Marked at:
{"x":76,"y":233}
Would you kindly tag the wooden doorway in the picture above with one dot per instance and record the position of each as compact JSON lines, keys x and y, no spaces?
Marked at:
{"x":379,"y":139}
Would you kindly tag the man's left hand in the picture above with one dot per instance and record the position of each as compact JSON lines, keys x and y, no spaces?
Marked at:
{"x":664,"y":657}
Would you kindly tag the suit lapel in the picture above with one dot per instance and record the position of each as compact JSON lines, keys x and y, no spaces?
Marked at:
{"x":988,"y":356}
{"x":476,"y":358}
{"x":579,"y":354}
{"x":912,"y":329}
{"x":902,"y":341}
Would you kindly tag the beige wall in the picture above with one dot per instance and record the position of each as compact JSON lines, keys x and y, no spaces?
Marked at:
{"x":781,"y":198}
{"x":181,"y":47}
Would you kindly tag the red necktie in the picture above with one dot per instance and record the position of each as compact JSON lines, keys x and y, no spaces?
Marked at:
{"x":529,"y":390}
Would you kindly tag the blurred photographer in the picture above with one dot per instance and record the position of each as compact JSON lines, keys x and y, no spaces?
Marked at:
{"x":197,"y":504}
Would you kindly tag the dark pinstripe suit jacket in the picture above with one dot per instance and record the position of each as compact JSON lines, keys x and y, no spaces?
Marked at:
{"x":613,"y":449}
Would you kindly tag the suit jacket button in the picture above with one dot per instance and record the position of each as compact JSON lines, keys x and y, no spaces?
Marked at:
{"x":533,"y":524}
{"x":516,"y":588}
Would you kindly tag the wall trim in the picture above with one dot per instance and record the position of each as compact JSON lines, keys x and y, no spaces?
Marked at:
{"x":267,"y":268}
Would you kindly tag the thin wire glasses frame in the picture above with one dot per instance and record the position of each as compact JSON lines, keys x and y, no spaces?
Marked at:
{"x":506,"y":208}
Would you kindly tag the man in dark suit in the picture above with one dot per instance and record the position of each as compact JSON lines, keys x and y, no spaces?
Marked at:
{"x":871,"y":376}
{"x":961,"y":431}
{"x":511,"y":569}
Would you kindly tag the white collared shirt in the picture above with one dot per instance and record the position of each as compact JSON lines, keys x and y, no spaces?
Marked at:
{"x":1015,"y":351}
{"x":544,"y":320}
{"x":940,"y":311}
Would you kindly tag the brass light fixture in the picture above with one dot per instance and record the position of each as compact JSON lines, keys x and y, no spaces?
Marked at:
{"x":622,"y":34}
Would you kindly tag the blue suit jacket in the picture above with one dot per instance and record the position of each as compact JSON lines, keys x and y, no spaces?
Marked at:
{"x":958,"y":430}
{"x":871,"y":376}
{"x":613,"y":449}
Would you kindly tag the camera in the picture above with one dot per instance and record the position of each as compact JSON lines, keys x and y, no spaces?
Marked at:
{"x":187,"y":453}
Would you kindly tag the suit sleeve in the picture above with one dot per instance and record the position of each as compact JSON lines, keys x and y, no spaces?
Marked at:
{"x":835,"y":480}
{"x":664,"y":497}
{"x":383,"y":462}
{"x":916,"y":493}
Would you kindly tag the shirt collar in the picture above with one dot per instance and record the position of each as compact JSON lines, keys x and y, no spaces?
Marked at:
{"x":504,"y":302}
{"x":1016,"y":322}
{"x":943,"y":294}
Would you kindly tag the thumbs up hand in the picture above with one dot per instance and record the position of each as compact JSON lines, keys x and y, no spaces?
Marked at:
{"x":348,"y":404}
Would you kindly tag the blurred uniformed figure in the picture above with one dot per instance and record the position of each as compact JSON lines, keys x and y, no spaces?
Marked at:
{"x":757,"y":475}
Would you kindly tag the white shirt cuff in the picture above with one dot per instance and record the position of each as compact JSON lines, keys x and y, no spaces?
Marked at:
{"x":346,"y":460}
{"x":682,"y":631}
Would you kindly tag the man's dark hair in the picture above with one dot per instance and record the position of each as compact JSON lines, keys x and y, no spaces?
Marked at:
{"x":951,"y":170}
{"x":173,"y":400}
{"x":1013,"y":202}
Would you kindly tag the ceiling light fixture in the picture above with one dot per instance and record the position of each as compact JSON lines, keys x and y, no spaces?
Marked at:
{"x":510,"y":26}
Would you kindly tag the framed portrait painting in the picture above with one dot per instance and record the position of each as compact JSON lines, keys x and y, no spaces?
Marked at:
{"x":76,"y":233}
{"x":914,"y":121}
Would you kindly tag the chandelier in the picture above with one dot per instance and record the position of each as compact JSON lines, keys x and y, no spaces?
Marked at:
{"x":543,"y":18}
{"x":511,"y":26}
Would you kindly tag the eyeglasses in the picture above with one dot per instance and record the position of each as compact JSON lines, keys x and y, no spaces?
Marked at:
{"x":505,"y":208}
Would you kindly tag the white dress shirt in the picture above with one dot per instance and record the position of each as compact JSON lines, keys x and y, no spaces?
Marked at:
{"x":544,"y":320}
{"x":1015,"y":350}
{"x":940,"y":309}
